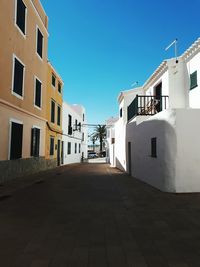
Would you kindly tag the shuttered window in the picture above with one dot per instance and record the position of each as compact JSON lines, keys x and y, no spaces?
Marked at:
{"x":69,"y":148}
{"x":79,"y":148}
{"x":154,"y":147}
{"x":16,"y":140}
{"x":69,"y":124}
{"x":58,"y":115}
{"x":21,"y":16}
{"x":75,"y":148}
{"x":38,"y":91}
{"x":35,"y":142}
{"x":59,"y":88}
{"x":18,"y":80}
{"x":53,"y":80}
{"x":39,"y":42}
{"x":51,"y":146}
{"x":52,"y":111}
{"x":193,"y":80}
{"x":120,"y":112}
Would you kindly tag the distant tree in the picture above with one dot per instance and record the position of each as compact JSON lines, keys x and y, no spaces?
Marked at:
{"x":100,"y":134}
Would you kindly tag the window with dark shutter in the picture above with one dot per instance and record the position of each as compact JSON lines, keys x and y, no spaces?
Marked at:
{"x":16,"y":140}
{"x":75,"y":148}
{"x":53,"y":80}
{"x":35,"y":142}
{"x":52,"y":111}
{"x":58,"y":115}
{"x":69,"y":148}
{"x":39,"y":43}
{"x":51,"y":146}
{"x":120,"y":112}
{"x":21,"y":16}
{"x":38,"y":91}
{"x":193,"y":80}
{"x":154,"y":147}
{"x":59,"y":88}
{"x":18,"y":77}
{"x":79,"y":148}
{"x":83,"y":116}
{"x":69,"y":124}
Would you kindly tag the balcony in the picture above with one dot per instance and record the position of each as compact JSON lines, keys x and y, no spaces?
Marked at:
{"x":147,"y":105}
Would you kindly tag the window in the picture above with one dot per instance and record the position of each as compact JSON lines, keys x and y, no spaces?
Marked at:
{"x":79,"y":126}
{"x":52,"y":111}
{"x":18,"y":77}
{"x":35,"y":142}
{"x":75,"y":148}
{"x":16,"y":136}
{"x":21,"y":16}
{"x":79,"y":148}
{"x":76,"y":125}
{"x":59,"y":88}
{"x":193,"y":80}
{"x":39,"y":42}
{"x":69,"y":124}
{"x":53,"y":80}
{"x":51,"y":146}
{"x":83,"y":116}
{"x":154,"y":147}
{"x":120,"y":112}
{"x":38,"y":91}
{"x":69,"y":148}
{"x":82,"y":136}
{"x":58,"y":115}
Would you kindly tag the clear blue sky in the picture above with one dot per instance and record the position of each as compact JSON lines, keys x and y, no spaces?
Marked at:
{"x":100,"y":47}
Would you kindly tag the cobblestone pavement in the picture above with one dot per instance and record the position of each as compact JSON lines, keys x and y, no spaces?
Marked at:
{"x":92,"y":215}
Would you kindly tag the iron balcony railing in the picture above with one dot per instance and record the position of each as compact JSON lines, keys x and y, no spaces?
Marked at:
{"x":147,"y":105}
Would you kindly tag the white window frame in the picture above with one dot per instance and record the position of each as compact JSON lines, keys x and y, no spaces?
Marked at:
{"x":13,"y":71}
{"x":10,"y":134}
{"x":40,"y":108}
{"x":37,"y":127}
{"x":24,"y":35}
{"x":38,"y":28}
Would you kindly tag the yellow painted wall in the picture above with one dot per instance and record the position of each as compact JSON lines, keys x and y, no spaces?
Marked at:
{"x":52,"y":93}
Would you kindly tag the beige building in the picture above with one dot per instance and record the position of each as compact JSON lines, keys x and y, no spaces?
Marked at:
{"x":23,"y":71}
{"x":54,"y":143}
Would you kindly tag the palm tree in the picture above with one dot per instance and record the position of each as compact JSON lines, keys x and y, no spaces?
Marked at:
{"x":100,"y":133}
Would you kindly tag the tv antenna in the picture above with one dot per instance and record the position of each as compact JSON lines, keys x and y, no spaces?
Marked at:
{"x":175,"y":48}
{"x":133,"y":84}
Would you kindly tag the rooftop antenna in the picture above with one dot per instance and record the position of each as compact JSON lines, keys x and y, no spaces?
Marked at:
{"x":175,"y":48}
{"x":133,"y":84}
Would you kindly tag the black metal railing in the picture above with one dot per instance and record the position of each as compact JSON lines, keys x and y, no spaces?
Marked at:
{"x":147,"y":105}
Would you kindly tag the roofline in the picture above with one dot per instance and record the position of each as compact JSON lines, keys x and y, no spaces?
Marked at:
{"x":127,"y":92}
{"x":57,"y":74}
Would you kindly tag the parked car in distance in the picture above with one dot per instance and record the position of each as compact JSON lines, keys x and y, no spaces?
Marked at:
{"x":92,"y":155}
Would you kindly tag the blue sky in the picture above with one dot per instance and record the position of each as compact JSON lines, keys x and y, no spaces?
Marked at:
{"x":100,"y":47}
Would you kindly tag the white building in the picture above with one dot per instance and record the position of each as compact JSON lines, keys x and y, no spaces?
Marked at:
{"x":124,"y":100}
{"x":74,"y":133}
{"x":110,"y":141}
{"x":161,"y":140}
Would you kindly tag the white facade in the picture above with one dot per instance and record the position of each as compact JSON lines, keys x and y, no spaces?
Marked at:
{"x":74,"y":133}
{"x":163,"y":149}
{"x":124,"y":100}
{"x":110,"y":141}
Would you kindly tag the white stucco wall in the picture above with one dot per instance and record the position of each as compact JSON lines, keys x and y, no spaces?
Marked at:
{"x":76,"y":112}
{"x":193,"y":64}
{"x":177,"y":165}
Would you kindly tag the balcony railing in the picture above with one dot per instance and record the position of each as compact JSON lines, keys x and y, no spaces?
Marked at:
{"x":147,"y":105}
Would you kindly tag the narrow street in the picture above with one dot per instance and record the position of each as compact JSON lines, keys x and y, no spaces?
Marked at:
{"x":92,"y":215}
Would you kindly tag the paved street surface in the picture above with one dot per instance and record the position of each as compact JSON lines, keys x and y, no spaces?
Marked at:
{"x":92,"y":215}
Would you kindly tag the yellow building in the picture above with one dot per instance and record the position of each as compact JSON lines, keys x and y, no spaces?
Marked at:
{"x":23,"y":74}
{"x":54,"y":144}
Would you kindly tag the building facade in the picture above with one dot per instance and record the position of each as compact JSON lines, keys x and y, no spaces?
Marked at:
{"x":23,"y":68}
{"x":161,"y":140}
{"x":54,"y":143}
{"x":75,"y":133}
